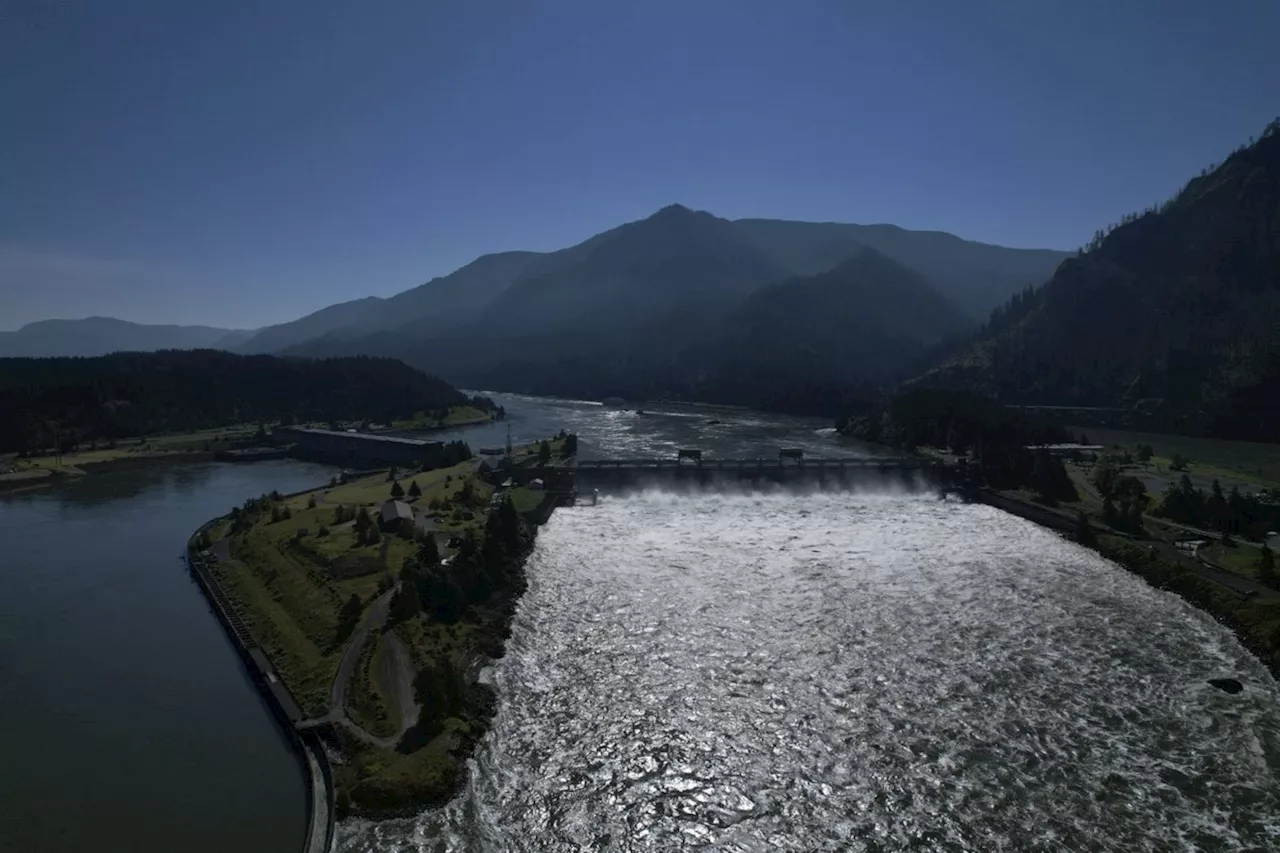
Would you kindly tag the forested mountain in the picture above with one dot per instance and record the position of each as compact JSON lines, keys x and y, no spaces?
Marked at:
{"x":812,"y":343}
{"x":675,"y":260}
{"x":976,"y":277}
{"x":679,"y":304}
{"x":48,"y":401}
{"x":671,"y":267}
{"x":1175,"y":311}
{"x":101,"y":335}
{"x":675,"y":305}
{"x":790,"y":315}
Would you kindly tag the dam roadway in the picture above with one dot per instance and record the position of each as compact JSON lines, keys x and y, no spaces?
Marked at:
{"x":614,"y":474}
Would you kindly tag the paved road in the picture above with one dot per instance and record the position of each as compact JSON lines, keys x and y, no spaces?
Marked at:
{"x":374,"y":619}
{"x":397,"y":684}
{"x":1200,"y":566}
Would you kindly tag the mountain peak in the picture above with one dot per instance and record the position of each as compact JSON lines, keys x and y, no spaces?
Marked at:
{"x":674,"y":211}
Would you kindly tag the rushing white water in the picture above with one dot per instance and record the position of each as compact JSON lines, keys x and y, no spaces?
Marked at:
{"x":854,"y":672}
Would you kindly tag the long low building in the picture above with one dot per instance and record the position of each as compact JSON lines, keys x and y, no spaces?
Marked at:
{"x":355,"y":448}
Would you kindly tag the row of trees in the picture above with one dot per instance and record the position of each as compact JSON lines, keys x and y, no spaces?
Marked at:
{"x":1124,"y":497}
{"x":481,"y":573}
{"x":1228,"y":513}
{"x":244,"y":516}
{"x":998,"y":437}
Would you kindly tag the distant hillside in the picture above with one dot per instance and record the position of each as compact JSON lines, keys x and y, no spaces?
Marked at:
{"x":675,"y":260}
{"x":1175,"y":311}
{"x":976,"y":277}
{"x":452,"y":299}
{"x":658,"y":279}
{"x":100,"y":335}
{"x":813,"y":342}
{"x":49,"y":400}
{"x":673,"y":305}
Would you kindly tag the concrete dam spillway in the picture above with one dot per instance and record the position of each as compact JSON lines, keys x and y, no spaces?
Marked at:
{"x":625,"y":475}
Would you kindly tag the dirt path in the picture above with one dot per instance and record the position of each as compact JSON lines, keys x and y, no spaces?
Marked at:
{"x":393,"y":672}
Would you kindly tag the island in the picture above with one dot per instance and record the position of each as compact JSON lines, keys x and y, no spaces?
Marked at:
{"x":373,"y":601}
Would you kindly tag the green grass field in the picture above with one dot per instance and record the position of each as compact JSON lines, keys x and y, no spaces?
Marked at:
{"x":457,"y":416}
{"x":290,"y":582}
{"x":1210,"y":457}
{"x":154,"y":446}
{"x":1241,"y":558}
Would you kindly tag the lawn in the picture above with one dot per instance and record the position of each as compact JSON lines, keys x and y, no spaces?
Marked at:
{"x":526,"y":499}
{"x":284,"y":578}
{"x":1248,"y":460}
{"x":457,"y":416}
{"x":1240,"y":558}
{"x":130,"y":448}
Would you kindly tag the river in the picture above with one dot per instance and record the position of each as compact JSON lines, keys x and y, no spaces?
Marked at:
{"x":834,"y":671}
{"x":127,"y":722}
{"x":847,"y":671}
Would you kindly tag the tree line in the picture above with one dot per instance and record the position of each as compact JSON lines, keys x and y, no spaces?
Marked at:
{"x":999,"y":439}
{"x":57,"y":403}
{"x":1230,"y":513}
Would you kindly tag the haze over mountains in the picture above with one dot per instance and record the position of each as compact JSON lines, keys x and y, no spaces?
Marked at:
{"x":1176,"y":311}
{"x":101,"y":335}
{"x":674,"y":305}
{"x":632,"y":265}
{"x":680,"y":304}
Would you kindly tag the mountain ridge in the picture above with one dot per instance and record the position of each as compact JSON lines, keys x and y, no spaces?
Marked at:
{"x":97,"y":335}
{"x":518,"y":282}
{"x":1175,"y":311}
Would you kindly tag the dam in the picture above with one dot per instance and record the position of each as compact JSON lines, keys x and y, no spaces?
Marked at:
{"x":686,"y":470}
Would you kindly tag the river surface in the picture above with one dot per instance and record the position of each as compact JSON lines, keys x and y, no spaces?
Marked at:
{"x":865,"y":670}
{"x":127,"y":722}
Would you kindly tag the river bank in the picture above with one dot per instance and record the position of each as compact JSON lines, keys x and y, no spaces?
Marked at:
{"x":236,"y":443}
{"x":312,"y":759}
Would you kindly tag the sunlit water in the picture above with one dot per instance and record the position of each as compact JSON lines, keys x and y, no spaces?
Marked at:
{"x":853,"y":672}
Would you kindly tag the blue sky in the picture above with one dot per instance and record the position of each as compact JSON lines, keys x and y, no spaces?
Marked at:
{"x":240,"y":164}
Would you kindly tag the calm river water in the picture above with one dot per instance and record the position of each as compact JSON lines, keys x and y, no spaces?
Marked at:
{"x":127,"y":722}
{"x":835,"y":671}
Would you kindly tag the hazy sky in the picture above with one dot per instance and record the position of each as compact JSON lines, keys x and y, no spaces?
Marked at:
{"x":239,"y":164}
